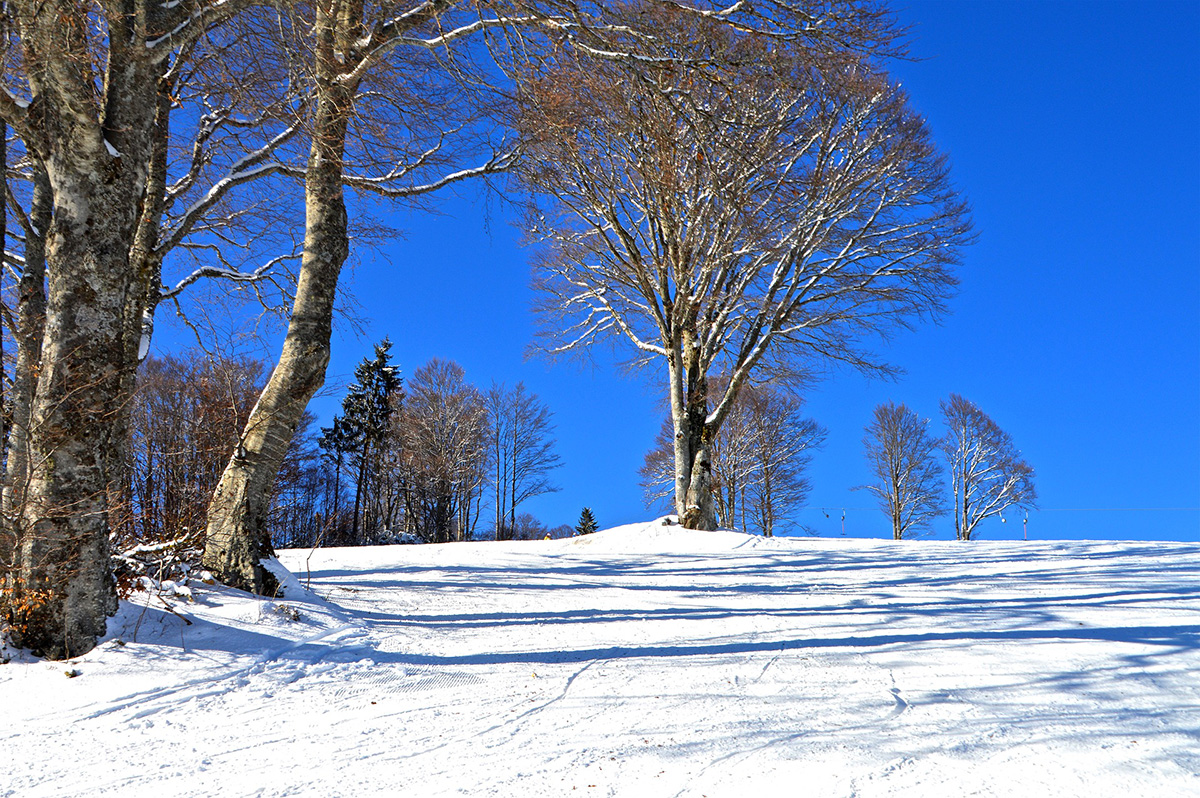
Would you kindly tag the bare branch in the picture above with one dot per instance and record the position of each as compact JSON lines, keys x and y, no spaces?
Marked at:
{"x":226,"y":274}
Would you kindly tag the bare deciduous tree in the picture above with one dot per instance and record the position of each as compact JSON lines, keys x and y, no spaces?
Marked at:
{"x":386,"y":112}
{"x":86,"y":85}
{"x":444,"y":431}
{"x":521,"y":450}
{"x":783,"y":444}
{"x":987,"y":473}
{"x":27,"y":325}
{"x":903,"y":458}
{"x":759,"y":460}
{"x":735,"y":203}
{"x":382,"y":70}
{"x":186,"y":416}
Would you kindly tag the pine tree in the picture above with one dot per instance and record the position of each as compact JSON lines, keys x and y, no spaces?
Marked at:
{"x":587,"y":522}
{"x":366,"y":411}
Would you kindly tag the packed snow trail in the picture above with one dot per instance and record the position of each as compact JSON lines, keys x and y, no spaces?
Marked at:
{"x":642,"y":661}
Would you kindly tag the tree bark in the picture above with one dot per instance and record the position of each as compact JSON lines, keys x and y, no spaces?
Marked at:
{"x":238,"y":537}
{"x":95,"y":151}
{"x":80,"y":397}
{"x":699,"y":511}
{"x":30,"y":326}
{"x":355,"y":535}
{"x":693,"y":438}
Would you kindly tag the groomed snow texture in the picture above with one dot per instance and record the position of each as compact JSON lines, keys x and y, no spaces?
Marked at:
{"x":640,"y":661}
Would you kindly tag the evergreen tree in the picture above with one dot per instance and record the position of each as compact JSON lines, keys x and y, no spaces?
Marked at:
{"x":366,"y":411}
{"x":587,"y":522}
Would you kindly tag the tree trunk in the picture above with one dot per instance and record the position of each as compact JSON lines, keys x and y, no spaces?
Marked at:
{"x":501,"y":486}
{"x":79,"y":402}
{"x":30,"y":323}
{"x":337,"y":492}
{"x":358,"y":486}
{"x":693,"y":441}
{"x":238,"y":538}
{"x":87,"y":360}
{"x":512,"y":498}
{"x":768,"y":501}
{"x":699,"y":511}
{"x":95,"y":148}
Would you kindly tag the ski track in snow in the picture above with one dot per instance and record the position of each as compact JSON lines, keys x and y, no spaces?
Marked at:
{"x":641,"y":661}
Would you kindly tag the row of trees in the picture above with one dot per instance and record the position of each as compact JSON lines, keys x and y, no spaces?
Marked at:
{"x":988,"y":475}
{"x":426,"y":461}
{"x":728,"y":188}
{"x":439,"y":460}
{"x":761,"y":453}
{"x":422,"y":458}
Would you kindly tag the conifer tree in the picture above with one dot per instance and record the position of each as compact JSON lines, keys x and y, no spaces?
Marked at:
{"x":366,"y":411}
{"x":587,"y":522}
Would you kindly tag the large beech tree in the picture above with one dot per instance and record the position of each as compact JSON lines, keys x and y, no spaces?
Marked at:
{"x":760,"y":457}
{"x":402,"y":71}
{"x":88,"y":89}
{"x":385,"y":112}
{"x":728,"y":202}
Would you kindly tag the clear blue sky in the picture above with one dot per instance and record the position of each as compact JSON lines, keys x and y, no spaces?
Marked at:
{"x":1074,"y":129}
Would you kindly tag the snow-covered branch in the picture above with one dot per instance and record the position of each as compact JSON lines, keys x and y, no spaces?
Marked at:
{"x":232,"y":275}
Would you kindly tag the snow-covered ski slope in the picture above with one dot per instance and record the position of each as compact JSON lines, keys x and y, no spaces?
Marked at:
{"x":641,"y":661}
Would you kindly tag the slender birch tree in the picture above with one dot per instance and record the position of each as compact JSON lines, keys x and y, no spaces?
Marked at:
{"x":521,"y":448}
{"x":783,"y":443}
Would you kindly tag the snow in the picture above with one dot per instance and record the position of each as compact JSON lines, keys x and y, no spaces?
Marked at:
{"x":17,"y":101}
{"x":112,"y":151}
{"x":645,"y":660}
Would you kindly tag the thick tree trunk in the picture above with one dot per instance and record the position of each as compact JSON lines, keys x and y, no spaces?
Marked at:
{"x":693,"y":441}
{"x":238,"y":537}
{"x":699,"y":511}
{"x":95,"y":149}
{"x":78,"y":407}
